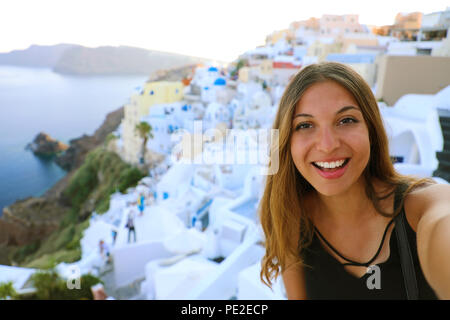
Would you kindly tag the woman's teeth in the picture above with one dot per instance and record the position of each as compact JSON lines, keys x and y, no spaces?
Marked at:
{"x":330,"y":165}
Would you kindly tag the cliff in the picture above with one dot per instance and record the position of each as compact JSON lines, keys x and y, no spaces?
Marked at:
{"x":39,"y":232}
{"x":106,"y":60}
{"x":119,"y":60}
{"x":33,"y":219}
{"x":35,"y":56}
{"x":45,"y":231}
{"x":29,"y":220}
{"x":73,"y":157}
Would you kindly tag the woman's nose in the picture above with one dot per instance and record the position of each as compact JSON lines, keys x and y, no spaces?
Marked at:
{"x":328,"y":140}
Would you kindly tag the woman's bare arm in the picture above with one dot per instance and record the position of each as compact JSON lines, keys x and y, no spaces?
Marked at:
{"x":433,"y":236}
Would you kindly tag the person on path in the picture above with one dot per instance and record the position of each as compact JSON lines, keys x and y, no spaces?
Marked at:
{"x":130,"y":226}
{"x":104,"y":251}
{"x":141,"y":204}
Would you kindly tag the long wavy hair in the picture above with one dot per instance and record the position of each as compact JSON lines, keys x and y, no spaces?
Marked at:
{"x":286,"y":226}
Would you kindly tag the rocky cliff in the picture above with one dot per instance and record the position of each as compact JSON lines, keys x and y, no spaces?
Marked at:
{"x":73,"y":157}
{"x":33,"y":219}
{"x":29,"y":220}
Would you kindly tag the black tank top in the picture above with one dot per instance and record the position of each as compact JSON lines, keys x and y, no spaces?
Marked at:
{"x":326,"y":277}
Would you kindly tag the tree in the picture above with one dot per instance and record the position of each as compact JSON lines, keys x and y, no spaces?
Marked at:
{"x":144,"y":130}
{"x":241,"y":63}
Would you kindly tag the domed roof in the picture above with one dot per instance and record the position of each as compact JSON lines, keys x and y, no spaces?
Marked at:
{"x":213,"y":69}
{"x":220,"y":82}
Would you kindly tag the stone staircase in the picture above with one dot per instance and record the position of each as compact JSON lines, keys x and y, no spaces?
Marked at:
{"x":131,"y":291}
{"x":443,"y":170}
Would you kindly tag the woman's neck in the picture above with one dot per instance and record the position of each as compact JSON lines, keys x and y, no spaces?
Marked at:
{"x":349,"y":208}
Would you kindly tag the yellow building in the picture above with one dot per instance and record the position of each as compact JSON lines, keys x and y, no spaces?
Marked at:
{"x":322,"y":49}
{"x":153,"y":93}
{"x":277,"y":36}
{"x":159,"y":92}
{"x":265,"y":69}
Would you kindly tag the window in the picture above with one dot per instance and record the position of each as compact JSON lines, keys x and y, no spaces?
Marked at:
{"x":151,"y":92}
{"x":423,"y":51}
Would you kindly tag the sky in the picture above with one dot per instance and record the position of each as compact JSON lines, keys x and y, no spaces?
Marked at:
{"x":220,"y":30}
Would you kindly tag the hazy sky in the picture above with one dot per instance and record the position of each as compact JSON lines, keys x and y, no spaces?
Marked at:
{"x":207,"y":28}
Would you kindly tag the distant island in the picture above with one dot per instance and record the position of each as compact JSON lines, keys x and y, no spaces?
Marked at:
{"x":107,"y":60}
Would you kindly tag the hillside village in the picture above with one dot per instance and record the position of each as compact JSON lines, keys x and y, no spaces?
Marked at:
{"x":197,"y":234}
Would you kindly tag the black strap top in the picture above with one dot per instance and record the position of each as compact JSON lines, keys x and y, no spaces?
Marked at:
{"x":351,"y":262}
{"x":326,"y":277}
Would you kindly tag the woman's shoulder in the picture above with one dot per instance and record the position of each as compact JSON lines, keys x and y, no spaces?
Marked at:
{"x":421,"y":200}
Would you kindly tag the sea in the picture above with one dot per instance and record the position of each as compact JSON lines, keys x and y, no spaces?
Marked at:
{"x":34,"y":100}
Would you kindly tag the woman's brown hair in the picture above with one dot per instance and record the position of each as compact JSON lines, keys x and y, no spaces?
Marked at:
{"x":285,"y":223}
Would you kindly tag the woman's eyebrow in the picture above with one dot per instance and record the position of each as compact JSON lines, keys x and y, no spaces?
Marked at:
{"x":347,"y":108}
{"x":343,"y":109}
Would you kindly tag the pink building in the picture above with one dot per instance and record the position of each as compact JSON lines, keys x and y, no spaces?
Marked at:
{"x":335,"y":25}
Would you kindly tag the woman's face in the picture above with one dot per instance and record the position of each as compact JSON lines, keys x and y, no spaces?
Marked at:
{"x":330,"y":141}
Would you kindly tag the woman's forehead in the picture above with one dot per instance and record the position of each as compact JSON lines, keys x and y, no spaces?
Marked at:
{"x":327,"y":95}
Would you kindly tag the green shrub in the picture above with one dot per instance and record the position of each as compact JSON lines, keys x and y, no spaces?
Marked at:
{"x":50,"y":286}
{"x":108,"y":138}
{"x":81,"y":184}
{"x":87,"y":281}
{"x":51,"y":260}
{"x":27,"y":250}
{"x":70,"y":218}
{"x":103,"y":204}
{"x":102,"y":173}
{"x":129,"y":178}
{"x":47,"y":285}
{"x":7,"y":290}
{"x":62,"y":245}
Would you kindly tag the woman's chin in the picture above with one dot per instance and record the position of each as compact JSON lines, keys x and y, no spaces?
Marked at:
{"x":330,"y":192}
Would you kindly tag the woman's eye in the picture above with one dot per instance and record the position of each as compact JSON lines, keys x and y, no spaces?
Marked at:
{"x":303,"y":125}
{"x":348,"y":121}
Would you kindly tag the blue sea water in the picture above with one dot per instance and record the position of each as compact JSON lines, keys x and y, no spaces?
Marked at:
{"x":63,"y":106}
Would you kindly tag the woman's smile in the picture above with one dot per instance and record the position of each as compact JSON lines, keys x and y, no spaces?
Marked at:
{"x":333,"y":169}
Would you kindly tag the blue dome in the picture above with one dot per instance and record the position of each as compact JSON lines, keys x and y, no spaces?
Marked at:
{"x":220,"y":82}
{"x":213,"y":69}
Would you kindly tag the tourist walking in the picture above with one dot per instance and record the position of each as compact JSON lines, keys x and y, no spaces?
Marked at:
{"x":130,"y":226}
{"x":104,"y":251}
{"x":114,"y":235}
{"x":141,"y":204}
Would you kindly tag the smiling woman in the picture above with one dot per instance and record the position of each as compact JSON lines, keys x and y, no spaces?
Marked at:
{"x":330,"y":138}
{"x":335,"y":175}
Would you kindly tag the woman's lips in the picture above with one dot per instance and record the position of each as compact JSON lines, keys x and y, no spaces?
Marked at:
{"x":332,"y":173}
